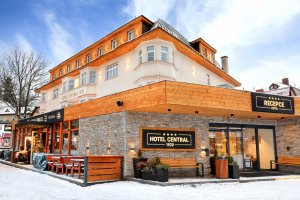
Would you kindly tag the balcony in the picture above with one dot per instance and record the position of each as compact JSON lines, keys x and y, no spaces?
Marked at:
{"x":89,"y":89}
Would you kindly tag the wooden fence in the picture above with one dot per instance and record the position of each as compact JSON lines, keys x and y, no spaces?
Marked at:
{"x":102,"y":169}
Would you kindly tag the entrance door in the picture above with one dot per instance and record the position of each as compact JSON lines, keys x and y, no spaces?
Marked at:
{"x":266,"y":147}
{"x":235,"y":145}
{"x":251,"y":160}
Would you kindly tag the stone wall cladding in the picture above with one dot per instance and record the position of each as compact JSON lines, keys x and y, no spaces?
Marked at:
{"x":123,"y":131}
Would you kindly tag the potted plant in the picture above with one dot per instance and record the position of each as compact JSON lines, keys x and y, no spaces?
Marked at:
{"x":212,"y":161}
{"x":154,"y":170}
{"x":233,"y":170}
{"x":140,"y":158}
{"x":222,"y":167}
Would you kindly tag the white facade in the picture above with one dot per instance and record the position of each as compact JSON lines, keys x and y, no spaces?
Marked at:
{"x":129,"y":71}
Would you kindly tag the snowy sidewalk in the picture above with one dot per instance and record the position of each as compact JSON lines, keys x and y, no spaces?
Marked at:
{"x":17,"y":184}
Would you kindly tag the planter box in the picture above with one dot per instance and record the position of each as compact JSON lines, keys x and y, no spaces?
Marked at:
{"x":160,"y":176}
{"x":222,"y":168}
{"x":234,"y":171}
{"x":137,"y":173}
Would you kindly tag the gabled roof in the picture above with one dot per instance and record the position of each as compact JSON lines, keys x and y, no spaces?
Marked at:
{"x":171,"y":30}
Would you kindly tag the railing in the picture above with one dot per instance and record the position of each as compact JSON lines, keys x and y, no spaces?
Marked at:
{"x":77,"y":92}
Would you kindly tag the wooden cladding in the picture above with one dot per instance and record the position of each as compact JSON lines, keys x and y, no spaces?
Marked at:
{"x":103,"y":168}
{"x":181,"y":98}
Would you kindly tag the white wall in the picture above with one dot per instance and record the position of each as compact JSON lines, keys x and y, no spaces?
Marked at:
{"x":131,"y":74}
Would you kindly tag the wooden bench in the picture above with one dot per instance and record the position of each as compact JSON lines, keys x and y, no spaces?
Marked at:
{"x":286,"y":160}
{"x":178,"y":163}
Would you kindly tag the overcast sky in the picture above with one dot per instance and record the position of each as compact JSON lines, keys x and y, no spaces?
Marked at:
{"x":260,"y":37}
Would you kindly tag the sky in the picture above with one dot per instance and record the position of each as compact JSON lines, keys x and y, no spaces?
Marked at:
{"x":260,"y":37}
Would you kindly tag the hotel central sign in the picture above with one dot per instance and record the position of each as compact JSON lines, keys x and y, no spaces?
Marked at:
{"x":155,"y":138}
{"x":272,"y":103}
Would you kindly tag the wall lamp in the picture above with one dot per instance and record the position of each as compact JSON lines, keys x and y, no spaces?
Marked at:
{"x":258,"y":117}
{"x":119,"y":103}
{"x":231,"y":115}
{"x":169,"y":110}
{"x":132,"y":148}
{"x":206,"y":150}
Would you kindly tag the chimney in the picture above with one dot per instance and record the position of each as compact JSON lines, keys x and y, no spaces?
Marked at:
{"x":225,"y":64}
{"x":285,"y":81}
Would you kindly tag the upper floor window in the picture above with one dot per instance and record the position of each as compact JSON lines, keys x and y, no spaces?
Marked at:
{"x":92,"y":76}
{"x":113,"y":44}
{"x":211,"y":58}
{"x":111,"y":71}
{"x":150,"y":52}
{"x":140,"y":57}
{"x":55,"y":93}
{"x":71,"y":84}
{"x":204,"y":53}
{"x":54,"y":76}
{"x":60,"y":72}
{"x":173,"y":57}
{"x":208,"y":79}
{"x":83,"y":78}
{"x":130,"y":35}
{"x":43,"y":97}
{"x":77,"y":64}
{"x":76,"y":82}
{"x":88,"y":58}
{"x":64,"y":86}
{"x":68,"y":68}
{"x":164,"y":54}
{"x":100,"y":51}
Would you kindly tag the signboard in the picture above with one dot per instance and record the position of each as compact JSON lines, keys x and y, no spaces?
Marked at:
{"x":50,"y":117}
{"x":157,"y":138}
{"x":272,"y":103}
{"x":7,"y":127}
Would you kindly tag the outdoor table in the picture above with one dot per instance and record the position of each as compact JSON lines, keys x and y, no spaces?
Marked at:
{"x":79,"y":163}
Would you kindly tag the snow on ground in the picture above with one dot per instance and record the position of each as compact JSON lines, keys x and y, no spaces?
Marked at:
{"x":18,"y":184}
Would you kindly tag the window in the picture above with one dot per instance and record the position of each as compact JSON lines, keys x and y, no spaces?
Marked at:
{"x":76,"y":82}
{"x":64,"y":86}
{"x":71,"y":84}
{"x":173,"y":57}
{"x":111,"y":71}
{"x":43,"y":97}
{"x":77,"y":64}
{"x":60,"y":72}
{"x":83,"y":78}
{"x":204,"y":53}
{"x":130,"y":35}
{"x":100,"y":51}
{"x":53,"y":76}
{"x":82,"y":100}
{"x":140,"y":57}
{"x":164,"y":54}
{"x":150,"y":52}
{"x":113,"y":44}
{"x":92,"y":76}
{"x":68,"y":68}
{"x":208,"y":79}
{"x":211,"y":58}
{"x":55,"y":93}
{"x":88,"y":58}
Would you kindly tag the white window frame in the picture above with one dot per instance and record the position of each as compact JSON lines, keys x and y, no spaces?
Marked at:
{"x":88,"y":58}
{"x":71,"y":81}
{"x":100,"y":51}
{"x":68,"y":68}
{"x":43,"y":99}
{"x":211,"y":58}
{"x":130,"y":35}
{"x":83,"y":78}
{"x":92,"y":77}
{"x":111,"y":71}
{"x":114,"y":44}
{"x":77,"y":64}
{"x":204,"y":52}
{"x":140,"y":57}
{"x":173,"y":57}
{"x":54,"y":76}
{"x":149,"y":52}
{"x":55,"y":93}
{"x":64,"y":86}
{"x":164,"y":52}
{"x":60,"y":72}
{"x":208,"y":79}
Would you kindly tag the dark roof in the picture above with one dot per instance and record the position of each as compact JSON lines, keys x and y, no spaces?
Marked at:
{"x":171,"y":30}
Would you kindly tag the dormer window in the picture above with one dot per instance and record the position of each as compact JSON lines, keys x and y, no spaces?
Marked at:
{"x":54,"y":76}
{"x":88,"y":58}
{"x":130,"y":35}
{"x":211,"y":58}
{"x":113,"y":44}
{"x":204,"y":53}
{"x":100,"y":51}
{"x":60,"y":72}
{"x":68,"y":68}
{"x":77,"y":64}
{"x":274,"y":87}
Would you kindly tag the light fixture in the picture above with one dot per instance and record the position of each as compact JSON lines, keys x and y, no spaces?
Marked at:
{"x":206,"y":150}
{"x":282,"y":118}
{"x":169,"y":110}
{"x":119,"y":103}
{"x":196,"y":112}
{"x":132,"y":148}
{"x":231,"y":115}
{"x":258,"y":117}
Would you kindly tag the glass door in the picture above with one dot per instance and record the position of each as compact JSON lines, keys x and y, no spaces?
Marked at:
{"x":266,"y":147}
{"x":250,"y":149}
{"x":235,"y":146}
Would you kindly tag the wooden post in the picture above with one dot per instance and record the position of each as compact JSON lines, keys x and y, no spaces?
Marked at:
{"x":60,"y":137}
{"x":69,"y":137}
{"x":47,"y":140}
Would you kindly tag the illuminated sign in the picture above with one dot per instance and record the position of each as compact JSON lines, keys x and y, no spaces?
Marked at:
{"x":167,"y":138}
{"x":7,"y":127}
{"x":272,"y":103}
